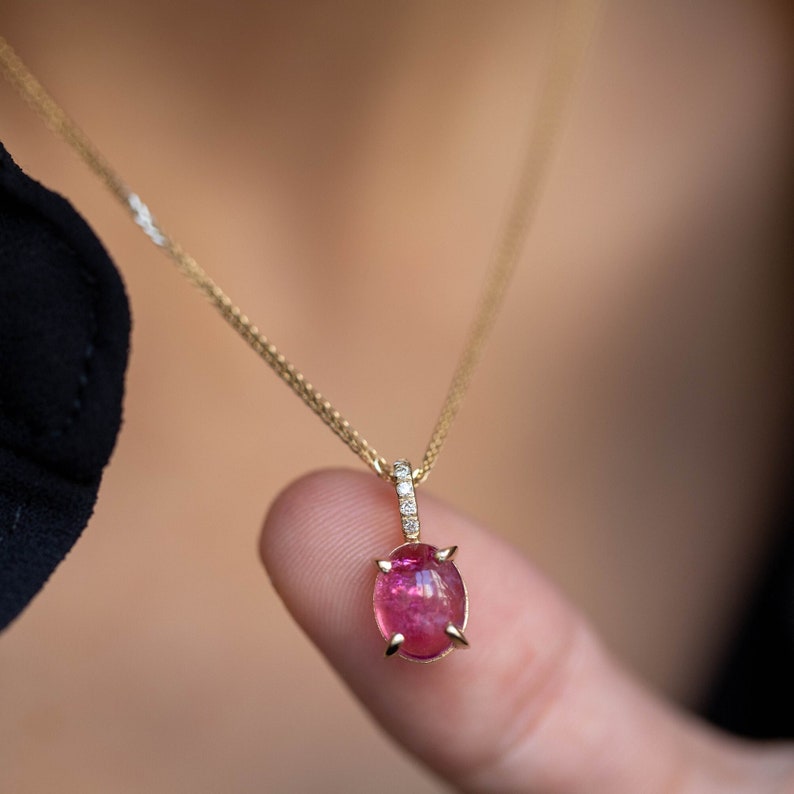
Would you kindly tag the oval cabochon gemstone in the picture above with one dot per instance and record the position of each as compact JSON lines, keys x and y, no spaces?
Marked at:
{"x":418,"y":598}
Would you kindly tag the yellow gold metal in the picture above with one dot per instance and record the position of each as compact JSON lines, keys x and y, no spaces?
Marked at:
{"x":442,"y":555}
{"x":574,"y":28}
{"x":384,"y":566}
{"x":456,"y":635}
{"x":402,"y":474}
{"x":394,"y":643}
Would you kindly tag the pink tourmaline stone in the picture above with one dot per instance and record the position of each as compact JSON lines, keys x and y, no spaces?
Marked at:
{"x":417,"y":598}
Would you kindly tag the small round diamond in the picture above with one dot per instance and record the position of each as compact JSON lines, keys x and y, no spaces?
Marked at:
{"x":408,"y":508}
{"x":410,"y":525}
{"x":404,"y":488}
{"x":401,"y":470}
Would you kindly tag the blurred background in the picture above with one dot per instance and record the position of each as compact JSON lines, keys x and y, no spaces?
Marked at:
{"x":342,"y":170}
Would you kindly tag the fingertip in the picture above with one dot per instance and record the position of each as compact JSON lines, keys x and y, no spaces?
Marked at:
{"x":317,"y":546}
{"x":534,"y":703}
{"x":319,"y":543}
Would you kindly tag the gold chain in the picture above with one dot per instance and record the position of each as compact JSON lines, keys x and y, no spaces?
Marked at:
{"x":574,"y":28}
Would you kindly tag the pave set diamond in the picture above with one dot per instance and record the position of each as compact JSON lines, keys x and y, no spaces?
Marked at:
{"x":405,"y":493}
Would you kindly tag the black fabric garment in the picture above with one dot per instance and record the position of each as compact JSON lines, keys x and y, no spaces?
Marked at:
{"x":64,"y":339}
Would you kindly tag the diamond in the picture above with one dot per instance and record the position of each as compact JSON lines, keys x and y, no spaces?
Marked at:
{"x":408,"y":507}
{"x":410,"y":525}
{"x":404,"y":488}
{"x":402,"y":470}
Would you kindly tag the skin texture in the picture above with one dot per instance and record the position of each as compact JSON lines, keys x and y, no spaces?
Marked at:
{"x":535,"y":705}
{"x":342,"y":168}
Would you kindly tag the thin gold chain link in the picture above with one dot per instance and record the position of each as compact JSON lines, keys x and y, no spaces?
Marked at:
{"x":574,"y":28}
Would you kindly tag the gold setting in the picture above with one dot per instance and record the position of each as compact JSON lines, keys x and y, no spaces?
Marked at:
{"x":403,"y":478}
{"x":456,"y":635}
{"x":459,"y":640}
{"x":394,"y":643}
{"x":444,"y":555}
{"x":406,"y":499}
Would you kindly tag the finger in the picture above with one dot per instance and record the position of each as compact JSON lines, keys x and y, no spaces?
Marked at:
{"x":534,"y":705}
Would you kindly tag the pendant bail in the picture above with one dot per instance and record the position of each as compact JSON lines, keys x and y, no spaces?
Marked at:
{"x":409,"y":513}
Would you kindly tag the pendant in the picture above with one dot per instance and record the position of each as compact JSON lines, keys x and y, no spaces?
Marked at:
{"x":420,"y":601}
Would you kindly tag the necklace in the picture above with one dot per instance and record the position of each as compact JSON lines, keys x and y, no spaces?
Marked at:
{"x":420,"y":600}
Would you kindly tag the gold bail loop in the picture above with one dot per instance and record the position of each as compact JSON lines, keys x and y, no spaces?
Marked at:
{"x":409,"y":513}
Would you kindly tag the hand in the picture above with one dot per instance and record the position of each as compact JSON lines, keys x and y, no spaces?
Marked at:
{"x":535,"y":705}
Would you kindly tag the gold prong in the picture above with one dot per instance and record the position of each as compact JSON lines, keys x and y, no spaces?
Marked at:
{"x":384,"y":566}
{"x":393,"y":645}
{"x":442,"y":555}
{"x":456,"y":635}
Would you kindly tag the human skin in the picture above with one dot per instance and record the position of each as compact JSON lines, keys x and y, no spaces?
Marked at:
{"x":534,"y":705}
{"x":342,"y":169}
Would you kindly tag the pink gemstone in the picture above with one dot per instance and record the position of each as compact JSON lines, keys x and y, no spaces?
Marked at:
{"x":418,"y":598}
